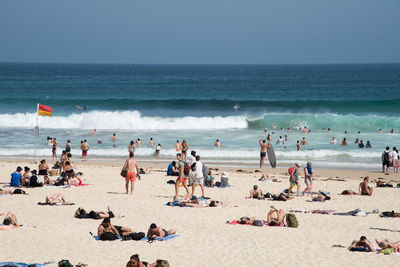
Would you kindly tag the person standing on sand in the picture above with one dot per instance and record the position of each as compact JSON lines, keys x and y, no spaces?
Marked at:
{"x":385,"y":160}
{"x":308,"y":178}
{"x":198,"y":177}
{"x":54,"y":149}
{"x":132,"y":168}
{"x":114,"y":140}
{"x":182,"y":178}
{"x":263,"y":151}
{"x":185,"y":148}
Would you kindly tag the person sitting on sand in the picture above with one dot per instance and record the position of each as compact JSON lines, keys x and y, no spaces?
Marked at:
{"x":106,"y":226}
{"x":43,"y":167}
{"x":321,"y":197}
{"x":362,"y":245}
{"x":256,"y":193}
{"x":10,"y":219}
{"x":82,"y":214}
{"x":134,"y":261}
{"x":386,"y":244}
{"x":172,"y":170}
{"x":209,"y":181}
{"x":364,"y":189}
{"x":25,"y":176}
{"x":16,"y":177}
{"x":275,"y":217}
{"x":158,"y":232}
{"x":348,"y":192}
{"x":73,"y":180}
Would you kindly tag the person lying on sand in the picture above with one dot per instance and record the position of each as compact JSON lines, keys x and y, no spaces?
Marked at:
{"x":279,"y":197}
{"x":156,"y":231}
{"x":362,"y":245}
{"x":256,"y":193}
{"x":134,"y":261}
{"x":275,"y":217}
{"x":106,"y":227}
{"x":11,"y":192}
{"x":386,"y":244}
{"x":10,"y":219}
{"x":364,"y":189}
{"x":348,"y":192}
{"x":57,"y":199}
{"x":321,"y":197}
{"x":82,"y":214}
{"x":251,"y":221}
{"x":198,"y":203}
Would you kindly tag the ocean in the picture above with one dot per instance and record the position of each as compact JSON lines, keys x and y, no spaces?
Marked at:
{"x":196,"y":103}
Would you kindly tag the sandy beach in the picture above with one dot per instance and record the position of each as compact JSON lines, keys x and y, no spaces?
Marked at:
{"x":51,"y":233}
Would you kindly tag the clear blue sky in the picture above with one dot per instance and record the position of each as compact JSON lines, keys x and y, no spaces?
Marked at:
{"x":200,"y":32}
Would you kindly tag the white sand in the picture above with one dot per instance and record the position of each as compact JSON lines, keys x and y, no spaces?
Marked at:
{"x":206,"y":240}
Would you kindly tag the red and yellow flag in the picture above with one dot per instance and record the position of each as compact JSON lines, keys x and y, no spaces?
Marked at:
{"x":44,"y":110}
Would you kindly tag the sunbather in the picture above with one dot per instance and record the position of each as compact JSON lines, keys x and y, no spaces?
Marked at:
{"x":386,"y":244}
{"x":57,"y":199}
{"x":276,"y":220}
{"x":251,"y":221}
{"x":321,"y":197}
{"x":348,"y":192}
{"x":107,"y":227}
{"x":256,"y":193}
{"x":11,"y":192}
{"x":82,"y":214}
{"x":156,"y":231}
{"x":280,"y":197}
{"x":362,"y":245}
{"x":134,"y":261}
{"x":10,"y":219}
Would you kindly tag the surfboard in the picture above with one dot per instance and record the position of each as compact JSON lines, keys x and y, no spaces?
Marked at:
{"x":271,"y":156}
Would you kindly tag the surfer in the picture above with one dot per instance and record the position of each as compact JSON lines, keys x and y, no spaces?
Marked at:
{"x":263,"y":152}
{"x":80,"y":108}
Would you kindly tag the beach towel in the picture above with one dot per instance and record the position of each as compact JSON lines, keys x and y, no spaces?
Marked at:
{"x":235,"y":222}
{"x":218,"y":186}
{"x":160,"y":239}
{"x":98,"y":238}
{"x":21,"y":264}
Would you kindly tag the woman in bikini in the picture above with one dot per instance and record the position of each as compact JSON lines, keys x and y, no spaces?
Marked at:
{"x":185,"y":148}
{"x":276,"y":220}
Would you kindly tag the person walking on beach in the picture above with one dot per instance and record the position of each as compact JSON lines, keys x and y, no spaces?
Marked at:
{"x":308,"y":178}
{"x":263,"y":151}
{"x":385,"y":160}
{"x":132,"y":168}
{"x":182,"y":178}
{"x":198,"y":177}
{"x":294,"y":179}
{"x":54,"y":150}
{"x":114,"y":140}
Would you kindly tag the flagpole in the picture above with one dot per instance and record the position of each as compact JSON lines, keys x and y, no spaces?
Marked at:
{"x":36,"y":131}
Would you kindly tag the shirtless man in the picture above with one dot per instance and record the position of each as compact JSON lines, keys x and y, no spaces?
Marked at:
{"x":256,"y":193}
{"x":217,"y":143}
{"x":138,"y":142}
{"x":54,"y":149}
{"x":114,"y":140}
{"x":85,"y":148}
{"x":132,"y":169}
{"x":178,"y":146}
{"x":263,"y":152}
{"x":363,"y":243}
{"x":156,"y":231}
{"x":364,"y":189}
{"x":107,"y":226}
{"x":304,"y":142}
{"x":151,"y":142}
{"x":276,"y":220}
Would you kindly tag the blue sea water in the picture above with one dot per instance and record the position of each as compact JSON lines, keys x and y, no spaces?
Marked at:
{"x":170,"y":102}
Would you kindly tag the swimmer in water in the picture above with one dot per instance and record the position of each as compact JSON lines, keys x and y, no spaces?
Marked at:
{"x":344,"y":142}
{"x":304,"y":142}
{"x":114,"y":140}
{"x":380,"y":130}
{"x":329,"y":130}
{"x":217,"y":143}
{"x":280,"y":141}
{"x":151,"y":142}
{"x":274,"y":125}
{"x":333,"y":141}
{"x":94,"y":132}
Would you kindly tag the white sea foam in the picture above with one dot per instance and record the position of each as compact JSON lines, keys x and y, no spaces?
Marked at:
{"x":122,"y":120}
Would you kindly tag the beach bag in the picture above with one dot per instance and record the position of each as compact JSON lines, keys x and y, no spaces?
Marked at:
{"x":218,"y":184}
{"x":137,"y":236}
{"x":53,"y":172}
{"x":386,"y":156}
{"x":291,"y":220}
{"x":124,"y":172}
{"x":64,"y":263}
{"x":186,"y":169}
{"x":107,"y":236}
{"x":224,"y":181}
{"x":290,"y":170}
